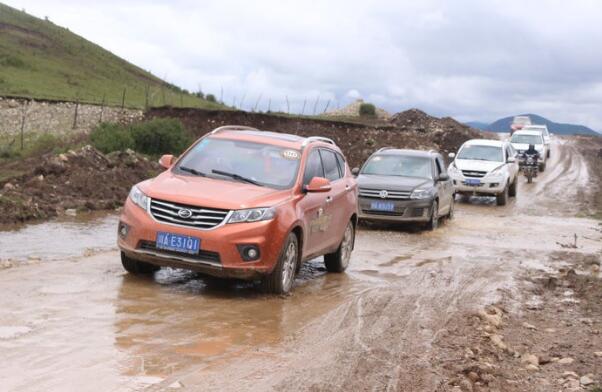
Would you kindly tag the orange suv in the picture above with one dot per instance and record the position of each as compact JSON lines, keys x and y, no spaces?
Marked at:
{"x":243,"y":203}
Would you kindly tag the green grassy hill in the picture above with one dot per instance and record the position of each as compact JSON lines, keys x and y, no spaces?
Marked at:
{"x":39,"y":59}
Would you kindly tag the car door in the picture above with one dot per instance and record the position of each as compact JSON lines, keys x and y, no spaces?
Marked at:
{"x":334,"y":211}
{"x":510,"y":152}
{"x":445,"y":188}
{"x":312,"y":205}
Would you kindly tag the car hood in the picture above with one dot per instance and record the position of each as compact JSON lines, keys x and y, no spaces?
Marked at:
{"x":469,"y":164}
{"x":524,"y":146}
{"x":392,"y":183}
{"x":211,"y":192}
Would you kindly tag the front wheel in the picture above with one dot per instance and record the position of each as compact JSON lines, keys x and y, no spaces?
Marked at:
{"x":502,"y":198}
{"x":512,"y":190}
{"x":281,"y":279}
{"x":433,"y":223}
{"x":137,"y":267}
{"x":339,"y":260}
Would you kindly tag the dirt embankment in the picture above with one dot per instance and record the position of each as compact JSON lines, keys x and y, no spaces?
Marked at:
{"x":85,"y":179}
{"x":409,"y":129}
{"x":591,"y":149}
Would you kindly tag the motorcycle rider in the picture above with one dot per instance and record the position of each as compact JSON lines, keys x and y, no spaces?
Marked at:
{"x":532,"y":152}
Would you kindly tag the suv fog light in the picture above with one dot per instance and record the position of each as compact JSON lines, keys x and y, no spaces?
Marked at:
{"x":494,"y":184}
{"x":249,"y":252}
{"x":123,"y":230}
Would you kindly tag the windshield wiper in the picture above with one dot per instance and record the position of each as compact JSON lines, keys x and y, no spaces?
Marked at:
{"x":236,"y":177}
{"x":192,"y":171}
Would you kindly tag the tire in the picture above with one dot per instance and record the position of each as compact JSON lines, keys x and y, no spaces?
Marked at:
{"x":339,"y":260}
{"x":137,"y":267}
{"x":512,"y":189}
{"x":548,"y":154}
{"x":502,"y":198}
{"x":280,"y":280}
{"x":529,"y":178}
{"x":542,"y":167}
{"x":433,"y":223}
{"x":450,"y":214}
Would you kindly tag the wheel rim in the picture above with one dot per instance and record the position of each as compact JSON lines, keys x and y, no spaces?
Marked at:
{"x":290,"y":261}
{"x":347,"y":245}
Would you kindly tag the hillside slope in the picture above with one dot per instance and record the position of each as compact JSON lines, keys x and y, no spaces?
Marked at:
{"x":42,"y":60}
{"x":503,"y":125}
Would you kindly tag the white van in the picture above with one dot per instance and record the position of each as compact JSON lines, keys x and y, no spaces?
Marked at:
{"x":521,"y":139}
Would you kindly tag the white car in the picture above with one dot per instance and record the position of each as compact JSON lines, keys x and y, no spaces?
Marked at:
{"x":485,"y":168}
{"x":543,"y":129}
{"x":521,"y":140}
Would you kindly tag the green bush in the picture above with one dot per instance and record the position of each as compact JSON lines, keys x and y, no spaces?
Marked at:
{"x":44,"y":144}
{"x":109,"y":137}
{"x":210,"y":98}
{"x":367,"y":109}
{"x":160,"y":136}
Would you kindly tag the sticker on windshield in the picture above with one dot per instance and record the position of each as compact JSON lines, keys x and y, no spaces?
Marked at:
{"x":290,"y":154}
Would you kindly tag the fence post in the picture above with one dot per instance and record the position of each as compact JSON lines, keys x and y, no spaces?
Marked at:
{"x":102,"y":107}
{"x":123,"y":98}
{"x":23,"y":124}
{"x":75,"y":114}
{"x":269,"y":104}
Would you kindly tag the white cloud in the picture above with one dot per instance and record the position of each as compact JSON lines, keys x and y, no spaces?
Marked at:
{"x":470,"y":59}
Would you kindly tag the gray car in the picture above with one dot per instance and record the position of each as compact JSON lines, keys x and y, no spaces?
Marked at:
{"x":405,"y":186}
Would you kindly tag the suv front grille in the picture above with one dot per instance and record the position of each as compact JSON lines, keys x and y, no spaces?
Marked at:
{"x":200,"y":217}
{"x":203,"y":255}
{"x":473,"y":173}
{"x":376,"y":194}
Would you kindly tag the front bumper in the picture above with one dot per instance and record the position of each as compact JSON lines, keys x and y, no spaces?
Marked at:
{"x":408,"y":210}
{"x":487,"y":186}
{"x":219,"y":253}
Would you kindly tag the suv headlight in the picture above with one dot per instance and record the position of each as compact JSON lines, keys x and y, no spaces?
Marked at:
{"x":420,"y":194}
{"x":138,"y":197}
{"x":252,"y":215}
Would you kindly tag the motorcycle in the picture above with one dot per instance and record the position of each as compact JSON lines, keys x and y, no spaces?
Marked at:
{"x":530,"y":167}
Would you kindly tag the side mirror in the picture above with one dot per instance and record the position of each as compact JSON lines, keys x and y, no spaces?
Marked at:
{"x":166,"y":161}
{"x":452,"y":155}
{"x":318,"y":184}
{"x":511,"y":160}
{"x":443,"y":177}
{"x":355,"y":171}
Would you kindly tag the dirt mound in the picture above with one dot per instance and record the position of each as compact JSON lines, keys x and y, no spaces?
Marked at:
{"x":79,"y":180}
{"x":353,"y":110}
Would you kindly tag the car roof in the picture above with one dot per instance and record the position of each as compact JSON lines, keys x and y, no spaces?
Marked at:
{"x":484,"y":142}
{"x":285,"y":140}
{"x":406,"y":152}
{"x":527,"y":132}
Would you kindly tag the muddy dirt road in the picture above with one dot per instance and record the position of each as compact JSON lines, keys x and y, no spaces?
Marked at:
{"x":71,"y":319}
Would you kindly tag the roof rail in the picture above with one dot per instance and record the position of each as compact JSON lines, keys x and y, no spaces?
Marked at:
{"x":385,"y":149}
{"x":233,"y":128}
{"x":312,"y":139}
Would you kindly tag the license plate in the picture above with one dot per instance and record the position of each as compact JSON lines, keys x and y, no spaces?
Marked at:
{"x":472,"y":181}
{"x":178,"y":243}
{"x":382,"y":206}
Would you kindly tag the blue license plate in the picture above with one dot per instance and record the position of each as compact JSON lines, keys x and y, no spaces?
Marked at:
{"x":382,"y":206}
{"x":178,"y":243}
{"x":472,"y":181}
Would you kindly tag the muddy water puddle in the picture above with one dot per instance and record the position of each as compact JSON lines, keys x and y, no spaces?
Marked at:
{"x":60,"y":238}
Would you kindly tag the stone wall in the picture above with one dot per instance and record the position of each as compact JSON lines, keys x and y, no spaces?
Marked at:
{"x":57,"y":117}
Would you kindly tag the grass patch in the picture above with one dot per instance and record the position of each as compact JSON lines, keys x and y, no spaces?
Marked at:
{"x":39,"y":59}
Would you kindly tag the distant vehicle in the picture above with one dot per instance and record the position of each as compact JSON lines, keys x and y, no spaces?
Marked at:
{"x":519,"y":122}
{"x":543,"y":129}
{"x":242,"y":203}
{"x":521,"y":140}
{"x":485,"y":168}
{"x":405,"y":186}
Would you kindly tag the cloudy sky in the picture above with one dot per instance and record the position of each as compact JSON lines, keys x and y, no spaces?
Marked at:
{"x":470,"y":59}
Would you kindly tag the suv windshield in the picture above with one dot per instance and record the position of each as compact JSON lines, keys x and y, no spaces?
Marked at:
{"x":526,"y":139}
{"x":399,"y":165}
{"x":256,"y":163}
{"x":482,"y":153}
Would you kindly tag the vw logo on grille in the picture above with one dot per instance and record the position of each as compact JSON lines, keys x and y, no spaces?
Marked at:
{"x":383,"y":194}
{"x":184,"y":213}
